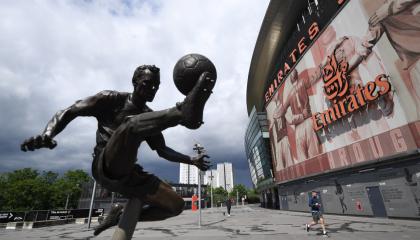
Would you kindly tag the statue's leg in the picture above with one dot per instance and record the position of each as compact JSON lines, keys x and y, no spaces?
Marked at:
{"x":115,"y":167}
{"x":111,"y":220}
{"x":120,"y":153}
{"x":128,"y":221}
{"x":116,"y":170}
{"x":165,"y":203}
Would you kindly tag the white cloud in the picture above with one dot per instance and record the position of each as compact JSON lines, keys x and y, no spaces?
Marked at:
{"x":55,"y":52}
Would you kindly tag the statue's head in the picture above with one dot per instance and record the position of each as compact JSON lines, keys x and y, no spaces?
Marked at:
{"x":146,"y":81}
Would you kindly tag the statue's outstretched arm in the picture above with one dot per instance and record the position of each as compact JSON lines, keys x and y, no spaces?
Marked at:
{"x":86,"y":107}
{"x":157,"y":143}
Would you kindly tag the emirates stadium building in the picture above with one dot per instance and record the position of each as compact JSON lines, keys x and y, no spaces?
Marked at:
{"x":333,"y":98}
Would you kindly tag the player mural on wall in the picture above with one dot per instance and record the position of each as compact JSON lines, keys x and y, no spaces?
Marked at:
{"x":283,"y":155}
{"x":340,"y":193}
{"x":364,"y":100}
{"x":364,"y":108}
{"x":350,"y":48}
{"x":410,"y":181}
{"x":399,"y":20}
{"x":307,"y":141}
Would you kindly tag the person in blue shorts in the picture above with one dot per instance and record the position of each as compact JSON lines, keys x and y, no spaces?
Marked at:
{"x":315,"y":205}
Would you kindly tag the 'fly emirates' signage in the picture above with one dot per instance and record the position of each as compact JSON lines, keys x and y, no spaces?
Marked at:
{"x":344,"y":101}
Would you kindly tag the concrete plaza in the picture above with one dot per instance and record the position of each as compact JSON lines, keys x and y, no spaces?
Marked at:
{"x":249,"y":222}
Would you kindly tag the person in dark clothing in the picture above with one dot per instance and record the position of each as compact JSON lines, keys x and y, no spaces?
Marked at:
{"x":228,"y":205}
{"x":315,"y":206}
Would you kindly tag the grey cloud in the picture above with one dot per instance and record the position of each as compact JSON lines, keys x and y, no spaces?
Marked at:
{"x":55,"y":52}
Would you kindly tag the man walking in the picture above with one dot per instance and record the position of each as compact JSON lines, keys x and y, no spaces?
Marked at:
{"x":228,"y":205}
{"x":315,"y":206}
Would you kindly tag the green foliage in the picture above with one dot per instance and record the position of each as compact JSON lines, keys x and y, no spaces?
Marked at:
{"x":22,"y":174}
{"x":220,"y":191}
{"x":26,"y":189}
{"x":219,"y":195}
{"x":2,"y":189}
{"x":49,"y":177}
{"x":241,"y":190}
{"x":253,"y":196}
{"x":76,"y":176}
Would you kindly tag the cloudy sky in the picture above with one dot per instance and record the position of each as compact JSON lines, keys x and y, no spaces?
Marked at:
{"x":53,"y":53}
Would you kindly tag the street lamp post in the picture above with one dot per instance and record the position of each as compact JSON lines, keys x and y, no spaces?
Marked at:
{"x":199,"y":198}
{"x":67,"y":200}
{"x":211,"y":188}
{"x":211,"y":195}
{"x":68,"y":197}
{"x":199,"y":149}
{"x":227,"y":188}
{"x":237,"y":197}
{"x":91,"y":203}
{"x":112,"y":198}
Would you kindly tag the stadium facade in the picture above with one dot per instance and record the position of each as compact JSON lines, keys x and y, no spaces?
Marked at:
{"x":333,"y":99}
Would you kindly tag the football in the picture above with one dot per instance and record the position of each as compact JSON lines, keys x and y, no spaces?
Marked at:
{"x":189,"y":68}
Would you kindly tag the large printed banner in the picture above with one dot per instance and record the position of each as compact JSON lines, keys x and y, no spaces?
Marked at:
{"x":354,"y":96}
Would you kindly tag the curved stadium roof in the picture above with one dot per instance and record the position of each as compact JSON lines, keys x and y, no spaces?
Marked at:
{"x":279,"y":22}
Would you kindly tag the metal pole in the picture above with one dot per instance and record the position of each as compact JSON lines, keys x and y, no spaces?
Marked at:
{"x":211,"y":194}
{"x":112,"y":197}
{"x":67,"y":201}
{"x":224,"y":177}
{"x":199,"y":198}
{"x":91,"y":203}
{"x":237,"y":198}
{"x":199,"y":150}
{"x":188,"y":174}
{"x":211,"y":187}
{"x":227,"y":186}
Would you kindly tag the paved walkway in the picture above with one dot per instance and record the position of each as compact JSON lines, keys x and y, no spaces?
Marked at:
{"x":249,"y":222}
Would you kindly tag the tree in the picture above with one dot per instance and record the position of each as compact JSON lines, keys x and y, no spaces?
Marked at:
{"x":2,"y":189}
{"x":76,"y":179}
{"x":76,"y":176}
{"x":253,"y":196}
{"x":241,"y":190}
{"x":22,"y":174}
{"x":26,"y":189}
{"x":68,"y":186}
{"x":49,"y":177}
{"x":219,"y":195}
{"x":23,"y":189}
